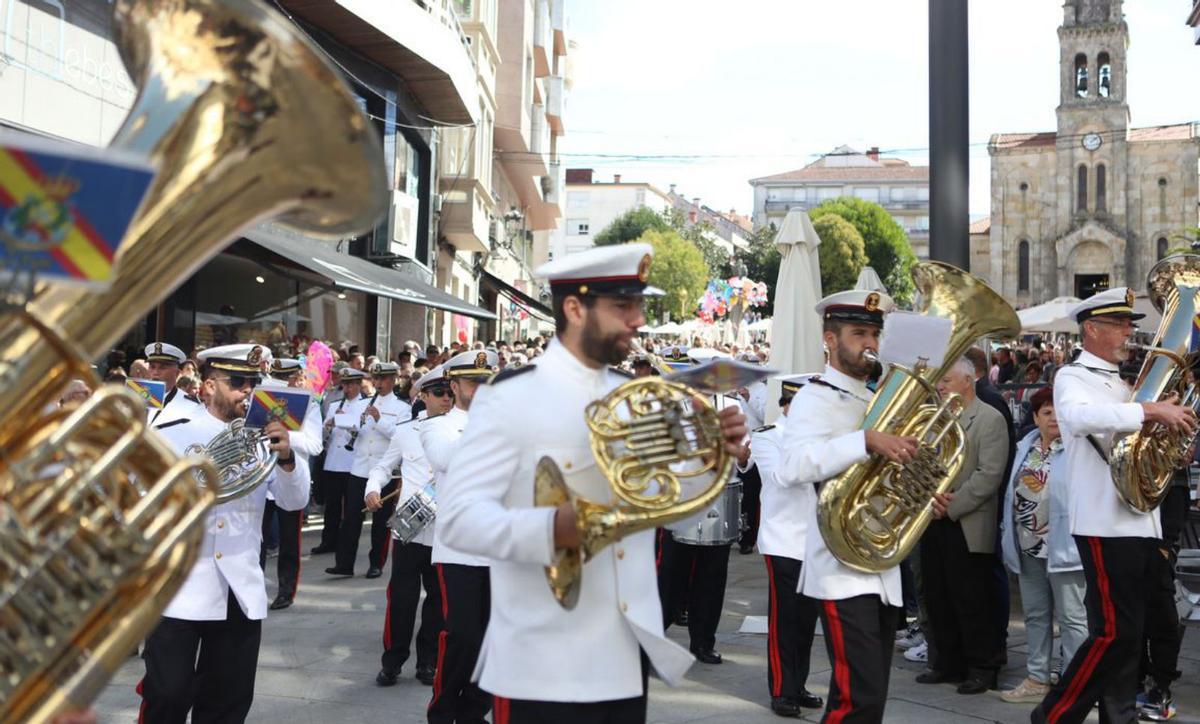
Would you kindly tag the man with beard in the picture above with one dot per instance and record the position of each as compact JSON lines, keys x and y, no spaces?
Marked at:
{"x":531,"y":658}
{"x":822,"y":438}
{"x":163,"y":361}
{"x":203,"y":655}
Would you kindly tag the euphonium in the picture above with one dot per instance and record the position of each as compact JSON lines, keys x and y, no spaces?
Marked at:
{"x":873,"y":513}
{"x":245,"y":120}
{"x":650,"y":438}
{"x":1144,"y":461}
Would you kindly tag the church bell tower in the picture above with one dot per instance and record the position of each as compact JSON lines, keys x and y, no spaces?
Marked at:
{"x":1093,"y":43}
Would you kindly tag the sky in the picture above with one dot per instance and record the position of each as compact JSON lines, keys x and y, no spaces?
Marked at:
{"x":707,"y":94}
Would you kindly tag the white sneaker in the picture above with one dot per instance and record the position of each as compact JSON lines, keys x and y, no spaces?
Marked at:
{"x":912,"y":637}
{"x":918,"y":654}
{"x":1027,"y":692}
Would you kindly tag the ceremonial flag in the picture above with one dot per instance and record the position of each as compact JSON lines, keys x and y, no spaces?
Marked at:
{"x":154,"y":392}
{"x":286,"y":404}
{"x":64,"y":209}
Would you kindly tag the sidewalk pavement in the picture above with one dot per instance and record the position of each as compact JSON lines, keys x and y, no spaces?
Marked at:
{"x":319,"y":658}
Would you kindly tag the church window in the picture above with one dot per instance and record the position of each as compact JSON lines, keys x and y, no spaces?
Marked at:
{"x":1081,"y":76}
{"x":1023,"y":266}
{"x":1081,"y":189}
{"x":1101,"y":187}
{"x":1162,"y":247}
{"x":1024,"y":186}
{"x":1104,"y":74}
{"x":1162,"y":182}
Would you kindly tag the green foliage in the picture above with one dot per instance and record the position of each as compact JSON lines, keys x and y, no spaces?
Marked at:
{"x":842,"y":253}
{"x":761,"y":259}
{"x":887,"y":247}
{"x":630,"y":226}
{"x":679,"y":270}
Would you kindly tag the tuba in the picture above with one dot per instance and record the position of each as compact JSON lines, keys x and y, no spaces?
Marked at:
{"x":872,"y":514}
{"x":246,"y":121}
{"x":1144,"y":461}
{"x":651,"y":438}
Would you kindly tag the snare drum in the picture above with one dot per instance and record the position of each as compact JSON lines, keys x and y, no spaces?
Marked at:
{"x":414,"y":515}
{"x":719,"y":524}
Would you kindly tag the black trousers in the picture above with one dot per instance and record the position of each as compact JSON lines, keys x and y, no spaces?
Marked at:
{"x":694,"y":575}
{"x":1163,"y":631}
{"x":751,"y":506}
{"x":859,"y":635}
{"x":381,"y":535}
{"x":616,"y":711}
{"x":217,"y":685}
{"x":959,"y":590}
{"x":287,"y":565}
{"x":411,"y":570}
{"x":791,"y":625}
{"x":466,"y":603}
{"x":352,"y":522}
{"x":334,"y":485}
{"x":1105,"y":666}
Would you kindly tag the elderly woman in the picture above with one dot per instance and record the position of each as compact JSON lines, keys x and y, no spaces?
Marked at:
{"x":1037,"y":547}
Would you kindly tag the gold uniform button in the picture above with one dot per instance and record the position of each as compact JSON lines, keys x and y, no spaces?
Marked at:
{"x":218,"y":556}
{"x":220,"y":524}
{"x":620,"y":554}
{"x":624,"y":607}
{"x":567,"y":465}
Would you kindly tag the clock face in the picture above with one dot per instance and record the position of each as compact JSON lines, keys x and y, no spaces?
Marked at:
{"x":1092,"y":141}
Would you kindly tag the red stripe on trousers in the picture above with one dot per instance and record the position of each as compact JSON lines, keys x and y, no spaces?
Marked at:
{"x":658,"y":558}
{"x":841,"y":667}
{"x":1099,"y":645}
{"x":500,"y":709}
{"x":775,"y":669}
{"x":141,"y":707}
{"x":437,"y":676}
{"x":387,"y":620}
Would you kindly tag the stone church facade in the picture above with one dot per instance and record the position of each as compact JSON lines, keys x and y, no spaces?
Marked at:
{"x":1095,"y":203}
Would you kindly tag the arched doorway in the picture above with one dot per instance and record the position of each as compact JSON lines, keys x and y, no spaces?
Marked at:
{"x":1089,"y":268}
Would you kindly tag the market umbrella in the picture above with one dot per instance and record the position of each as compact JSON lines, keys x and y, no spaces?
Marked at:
{"x":869,"y":281}
{"x":796,"y":333}
{"x":1051,"y":316}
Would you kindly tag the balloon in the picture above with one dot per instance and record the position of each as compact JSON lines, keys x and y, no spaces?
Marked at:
{"x":318,"y":367}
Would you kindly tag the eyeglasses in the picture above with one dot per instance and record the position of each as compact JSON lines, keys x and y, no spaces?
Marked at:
{"x":1124,"y":324}
{"x":438,"y":391}
{"x":237,"y":382}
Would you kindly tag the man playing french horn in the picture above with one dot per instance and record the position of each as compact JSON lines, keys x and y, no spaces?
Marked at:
{"x":1115,"y":543}
{"x":823,"y":438}
{"x":545,"y":661}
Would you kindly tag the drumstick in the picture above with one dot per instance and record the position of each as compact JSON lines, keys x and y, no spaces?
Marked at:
{"x":386,"y":498}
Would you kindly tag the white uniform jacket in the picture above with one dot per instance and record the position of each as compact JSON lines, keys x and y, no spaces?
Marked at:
{"x":532,"y":648}
{"x":820,"y":440}
{"x":375,"y":435}
{"x":786,"y":509}
{"x":415,"y":472}
{"x":1090,"y":398}
{"x":337,"y":458}
{"x":441,"y":438}
{"x":176,"y":406}
{"x":232,"y":537}
{"x":755,"y":408}
{"x":694,"y":524}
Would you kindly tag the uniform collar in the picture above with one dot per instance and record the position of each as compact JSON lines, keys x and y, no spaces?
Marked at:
{"x":561,"y":358}
{"x":857,"y":388}
{"x":1087,"y":359}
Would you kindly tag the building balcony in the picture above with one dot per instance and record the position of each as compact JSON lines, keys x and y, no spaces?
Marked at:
{"x":465,"y":216}
{"x":555,"y":103}
{"x":558,"y":24}
{"x":543,"y":39}
{"x":544,"y":215}
{"x":785,"y":206}
{"x":420,"y":41}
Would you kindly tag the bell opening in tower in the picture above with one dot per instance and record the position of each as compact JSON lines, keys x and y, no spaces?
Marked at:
{"x":1088,"y":284}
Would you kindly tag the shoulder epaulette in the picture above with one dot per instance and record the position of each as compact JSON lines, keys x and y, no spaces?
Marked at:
{"x":508,"y":373}
{"x":814,"y":380}
{"x":764,"y":428}
{"x":624,"y":373}
{"x":172,"y":423}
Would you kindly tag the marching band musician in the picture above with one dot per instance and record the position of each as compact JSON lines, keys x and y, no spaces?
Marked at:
{"x":378,"y":419}
{"x":542,"y":662}
{"x":821,"y":439}
{"x":462,"y":573}
{"x":412,"y":565}
{"x":203,"y":655}
{"x":164,"y":361}
{"x":338,"y":459}
{"x":783,"y":530}
{"x":1115,"y":543}
{"x":306,"y":444}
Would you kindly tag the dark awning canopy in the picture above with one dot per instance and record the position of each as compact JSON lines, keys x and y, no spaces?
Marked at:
{"x":520,"y":298}
{"x":352,"y":272}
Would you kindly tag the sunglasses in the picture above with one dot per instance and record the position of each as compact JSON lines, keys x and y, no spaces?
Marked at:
{"x":237,"y":382}
{"x":438,"y":391}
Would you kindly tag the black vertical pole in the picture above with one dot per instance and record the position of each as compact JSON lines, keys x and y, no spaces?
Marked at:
{"x":949,"y":212}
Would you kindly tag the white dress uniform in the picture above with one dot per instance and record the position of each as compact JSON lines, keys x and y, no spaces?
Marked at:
{"x":531,"y":649}
{"x":441,"y":441}
{"x":337,"y":458}
{"x":176,"y":406}
{"x":405,"y":451}
{"x":786,"y":508}
{"x":376,"y":435}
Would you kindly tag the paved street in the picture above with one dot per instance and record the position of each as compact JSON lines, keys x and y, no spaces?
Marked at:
{"x":319,"y":659}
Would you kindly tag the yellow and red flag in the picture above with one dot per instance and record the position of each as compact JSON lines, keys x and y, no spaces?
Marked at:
{"x":286,"y":404}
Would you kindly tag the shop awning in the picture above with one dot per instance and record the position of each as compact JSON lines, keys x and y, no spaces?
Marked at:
{"x":520,"y":298}
{"x":351,"y":272}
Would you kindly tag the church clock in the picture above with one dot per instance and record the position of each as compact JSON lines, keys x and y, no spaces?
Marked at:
{"x":1092,"y":141}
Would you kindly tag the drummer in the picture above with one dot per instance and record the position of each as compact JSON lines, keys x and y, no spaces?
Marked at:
{"x":694,"y":560}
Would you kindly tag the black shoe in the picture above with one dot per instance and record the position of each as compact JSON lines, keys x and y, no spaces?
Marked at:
{"x":706,"y":656}
{"x":387,"y":677}
{"x":374,"y":572}
{"x":318,"y":550}
{"x":335,"y":571}
{"x":281,"y":602}
{"x":785,"y":706}
{"x":978,"y":683}
{"x":745,"y":549}
{"x":681,"y":619}
{"x":809,"y":700}
{"x":939,"y":677}
{"x":426,"y":674}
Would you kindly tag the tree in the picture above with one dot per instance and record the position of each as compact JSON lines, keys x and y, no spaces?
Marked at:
{"x":631,"y":225}
{"x":679,"y":270}
{"x":762,"y":258}
{"x":842,"y":253}
{"x":887,"y":246}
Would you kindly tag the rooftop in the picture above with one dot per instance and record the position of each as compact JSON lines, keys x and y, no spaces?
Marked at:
{"x":981,"y":226}
{"x":846,"y":164}
{"x":1011,"y":141}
